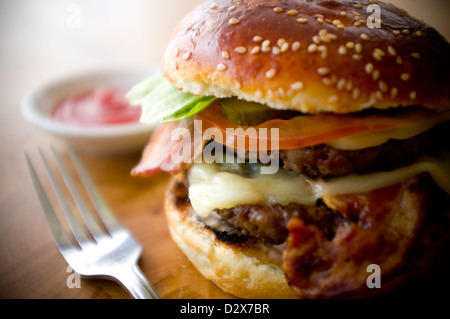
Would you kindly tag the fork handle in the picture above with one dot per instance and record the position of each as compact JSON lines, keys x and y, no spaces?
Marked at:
{"x":136,"y":284}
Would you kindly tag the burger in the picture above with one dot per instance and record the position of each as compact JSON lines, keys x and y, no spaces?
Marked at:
{"x":308,"y":143}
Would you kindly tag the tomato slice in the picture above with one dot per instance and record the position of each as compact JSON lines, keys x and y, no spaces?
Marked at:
{"x":306,"y":130}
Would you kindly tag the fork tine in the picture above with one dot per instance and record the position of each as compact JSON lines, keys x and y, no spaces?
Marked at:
{"x":105,"y":214}
{"x":85,"y":213}
{"x":74,"y":224}
{"x":62,"y":240}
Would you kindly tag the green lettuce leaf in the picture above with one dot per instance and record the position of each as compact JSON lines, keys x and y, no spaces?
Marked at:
{"x":162,"y":102}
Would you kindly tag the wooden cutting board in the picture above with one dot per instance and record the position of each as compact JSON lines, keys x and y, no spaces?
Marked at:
{"x":32,"y":266}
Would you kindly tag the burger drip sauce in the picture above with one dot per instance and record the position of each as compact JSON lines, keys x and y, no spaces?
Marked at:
{"x":101,"y":106}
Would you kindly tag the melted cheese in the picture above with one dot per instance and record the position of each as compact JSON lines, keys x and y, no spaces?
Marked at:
{"x":212,"y":188}
{"x":362,"y":141}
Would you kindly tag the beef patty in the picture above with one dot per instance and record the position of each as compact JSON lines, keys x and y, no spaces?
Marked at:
{"x":326,"y":161}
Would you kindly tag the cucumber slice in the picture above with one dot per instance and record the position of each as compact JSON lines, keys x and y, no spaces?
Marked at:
{"x":245,"y":113}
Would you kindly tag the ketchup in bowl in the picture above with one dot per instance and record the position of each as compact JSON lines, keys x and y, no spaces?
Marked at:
{"x":101,"y":106}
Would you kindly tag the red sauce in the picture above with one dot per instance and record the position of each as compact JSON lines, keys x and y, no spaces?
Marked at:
{"x":102,"y":106}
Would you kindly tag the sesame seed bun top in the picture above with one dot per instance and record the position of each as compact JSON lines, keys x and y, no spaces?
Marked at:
{"x":310,"y":55}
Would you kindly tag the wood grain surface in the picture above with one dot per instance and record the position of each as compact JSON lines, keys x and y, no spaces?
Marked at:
{"x":36,"y":269}
{"x":38,"y":44}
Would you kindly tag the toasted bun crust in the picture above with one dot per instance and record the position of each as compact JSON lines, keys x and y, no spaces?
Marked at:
{"x":311,"y":56}
{"x":246,"y":271}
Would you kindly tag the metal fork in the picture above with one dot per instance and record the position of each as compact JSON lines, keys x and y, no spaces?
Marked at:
{"x":109,"y":255}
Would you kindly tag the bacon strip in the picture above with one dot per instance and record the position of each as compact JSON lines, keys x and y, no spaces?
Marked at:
{"x":171,"y":149}
{"x":385,"y":224}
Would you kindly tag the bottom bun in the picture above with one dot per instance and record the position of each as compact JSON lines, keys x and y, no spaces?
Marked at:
{"x":249,"y":269}
{"x":246,"y":270}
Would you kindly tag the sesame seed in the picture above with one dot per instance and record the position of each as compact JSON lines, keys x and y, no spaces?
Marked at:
{"x":358,"y":48}
{"x":379,"y":95}
{"x":295,"y":46}
{"x":396,"y":32}
{"x":415,"y":55}
{"x":394,"y":93}
{"x":240,"y":50}
{"x":297,"y":86}
{"x":358,"y":6}
{"x":419,"y":33}
{"x":323,"y":71}
{"x":284,"y":47}
{"x":405,"y":76}
{"x":399,"y":60}
{"x":333,"y":99}
{"x":255,"y":50}
{"x":357,"y":57}
{"x":341,"y":84}
{"x":221,"y":67}
{"x":323,"y":32}
{"x":266,"y":43}
{"x":278,"y":9}
{"x":276,"y":50}
{"x":327,"y":81}
{"x":342,"y":50}
{"x":369,"y":68}
{"x":392,"y":51}
{"x":357,"y":23}
{"x":280,"y":42}
{"x":365,"y":37}
{"x":383,"y":86}
{"x":343,"y":13}
{"x":292,"y":12}
{"x":266,"y":49}
{"x":378,"y":54}
{"x":355,"y":93}
{"x":225,"y":55}
{"x":324,"y":51}
{"x":213,"y":6}
{"x":349,"y":86}
{"x":316,"y":39}
{"x":233,"y":21}
{"x":350,"y":45}
{"x":375,"y":75}
{"x":337,"y":22}
{"x":340,"y":26}
{"x":271,"y":73}
{"x":186,"y":56}
{"x":237,"y":84}
{"x":320,"y":20}
{"x":302,"y":20}
{"x":232,"y":8}
{"x":257,"y":38}
{"x":312,"y":48}
{"x":413,"y":95}
{"x":405,"y":31}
